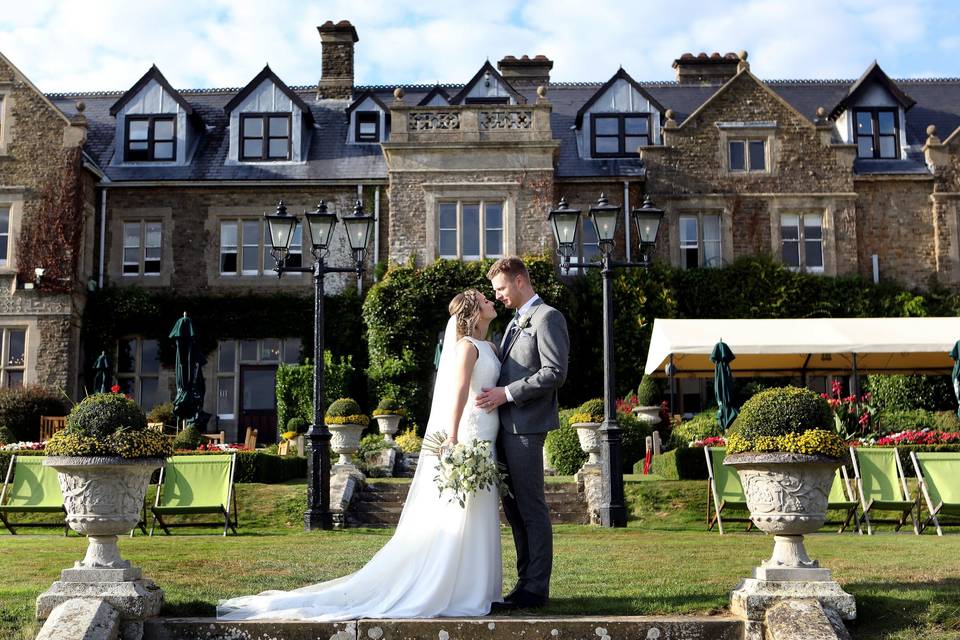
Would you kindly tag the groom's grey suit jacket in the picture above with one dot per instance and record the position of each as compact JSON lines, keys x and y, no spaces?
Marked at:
{"x":534,"y":366}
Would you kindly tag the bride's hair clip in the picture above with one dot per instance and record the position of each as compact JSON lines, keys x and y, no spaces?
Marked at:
{"x":465,"y":307}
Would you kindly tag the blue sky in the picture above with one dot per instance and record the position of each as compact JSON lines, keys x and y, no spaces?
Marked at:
{"x":108,"y":44}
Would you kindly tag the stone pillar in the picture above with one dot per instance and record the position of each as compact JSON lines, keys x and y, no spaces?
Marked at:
{"x":336,"y":79}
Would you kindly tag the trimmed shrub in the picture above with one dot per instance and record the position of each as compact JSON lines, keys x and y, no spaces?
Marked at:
{"x":633,"y":435}
{"x":782,"y":410}
{"x":590,"y":411}
{"x":6,"y":436}
{"x":409,"y":441}
{"x":298,"y":425}
{"x":563,"y":446}
{"x":687,"y":463}
{"x":108,"y":424}
{"x":102,"y":414}
{"x":162,"y":413}
{"x":345,"y":411}
{"x":189,"y":438}
{"x":904,"y":393}
{"x":21,"y":408}
{"x":389,"y":406}
{"x":648,"y":393}
{"x":701,"y":426}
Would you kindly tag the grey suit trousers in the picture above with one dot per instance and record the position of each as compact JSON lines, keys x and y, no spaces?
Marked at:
{"x":526,"y":509}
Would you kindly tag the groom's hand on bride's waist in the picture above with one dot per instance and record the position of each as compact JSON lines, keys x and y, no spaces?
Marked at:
{"x":490,"y":399}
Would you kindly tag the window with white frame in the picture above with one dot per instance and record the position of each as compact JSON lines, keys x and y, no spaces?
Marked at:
{"x":4,"y":236}
{"x":245,"y":248}
{"x":470,"y":230}
{"x":141,"y":248}
{"x":138,"y":370}
{"x":14,"y":360}
{"x":700,"y":244}
{"x":747,"y":155}
{"x":801,"y":240}
{"x":232,"y":353}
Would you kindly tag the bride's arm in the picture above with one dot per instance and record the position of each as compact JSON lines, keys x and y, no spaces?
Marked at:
{"x":466,"y":355}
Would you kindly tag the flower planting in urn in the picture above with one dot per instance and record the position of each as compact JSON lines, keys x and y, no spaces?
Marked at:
{"x":586,"y":421}
{"x":346,"y":423}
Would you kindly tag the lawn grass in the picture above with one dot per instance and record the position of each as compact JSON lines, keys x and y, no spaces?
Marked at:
{"x":663,"y":562}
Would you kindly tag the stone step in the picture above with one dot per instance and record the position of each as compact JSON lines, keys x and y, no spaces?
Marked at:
{"x":487,"y":628}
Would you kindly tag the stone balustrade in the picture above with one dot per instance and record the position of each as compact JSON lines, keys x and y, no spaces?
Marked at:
{"x":470,"y":123}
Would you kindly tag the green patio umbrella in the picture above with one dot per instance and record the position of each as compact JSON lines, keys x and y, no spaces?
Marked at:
{"x":184,"y":404}
{"x":198,"y":390}
{"x":955,"y":375}
{"x":101,"y":380}
{"x":722,"y":356}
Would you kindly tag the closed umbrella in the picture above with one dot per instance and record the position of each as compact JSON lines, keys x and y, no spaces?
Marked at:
{"x":722,"y":356}
{"x":955,"y":376}
{"x":101,"y":381}
{"x":198,"y":390}
{"x":184,"y":404}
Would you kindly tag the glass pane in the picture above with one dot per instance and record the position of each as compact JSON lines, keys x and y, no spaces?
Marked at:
{"x":885,"y":122}
{"x":14,"y":378}
{"x":149,"y":393}
{"x":864,"y":123}
{"x":291,"y":349}
{"x":789,"y":232}
{"x":15,"y":347}
{"x":126,"y":355}
{"x":163,"y":129}
{"x":259,"y":389}
{"x":139,"y":130}
{"x":711,"y":228}
{"x":608,"y":145}
{"x":791,"y":253}
{"x":736,"y":156}
{"x":865,"y":147}
{"x":253,"y":127}
{"x":368,"y":129}
{"x":131,"y":257}
{"x":131,"y":234}
{"x":591,"y":252}
{"x":493,"y":215}
{"x":630,"y":144}
{"x":270,"y":350}
{"x":588,"y":232}
{"x":163,"y":151}
{"x":813,"y":226}
{"x":227,"y":357}
{"x":228,"y":261}
{"x":448,"y":243}
{"x":149,"y":356}
{"x":251,"y":246}
{"x":279,"y":126}
{"x":152,"y":237}
{"x":138,"y":146}
{"x":606,"y":126}
{"x":248,"y":350}
{"x":225,"y":402}
{"x":126,"y":386}
{"x":888,"y":147}
{"x":4,"y":220}
{"x":688,"y":230}
{"x":758,"y":161}
{"x":711,"y":253}
{"x":251,"y":260}
{"x":252,"y":148}
{"x":813,"y":255}
{"x":448,"y":215}
{"x":493,"y":240}
{"x":690,"y":257}
{"x":470,"y":234}
{"x":279,"y":148}
{"x":152,"y":253}
{"x":636,"y":126}
{"x":228,"y":234}
{"x":151,"y":266}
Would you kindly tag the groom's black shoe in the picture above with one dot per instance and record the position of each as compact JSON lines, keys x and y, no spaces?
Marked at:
{"x":520,"y":599}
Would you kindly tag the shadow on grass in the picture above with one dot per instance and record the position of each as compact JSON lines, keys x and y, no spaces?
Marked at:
{"x":886,"y":609}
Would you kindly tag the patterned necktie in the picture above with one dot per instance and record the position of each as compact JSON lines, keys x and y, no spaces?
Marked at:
{"x":512,"y":329}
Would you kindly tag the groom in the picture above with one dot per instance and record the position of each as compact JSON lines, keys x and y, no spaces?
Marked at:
{"x":533,"y":354}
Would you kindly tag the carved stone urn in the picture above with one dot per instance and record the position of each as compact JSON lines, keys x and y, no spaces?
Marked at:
{"x":787,"y":497}
{"x":103,"y":497}
{"x":388,"y":424}
{"x":589,"y":435}
{"x":345,"y":440}
{"x":649,"y":414}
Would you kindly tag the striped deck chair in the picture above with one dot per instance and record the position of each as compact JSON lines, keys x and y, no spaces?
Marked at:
{"x":193,"y":485}
{"x":843,"y":498}
{"x":724,"y":488}
{"x":30,"y":487}
{"x":939,"y":477}
{"x":882,"y":486}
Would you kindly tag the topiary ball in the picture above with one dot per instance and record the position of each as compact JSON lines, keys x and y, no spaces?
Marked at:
{"x":648,"y":393}
{"x":297,"y":425}
{"x":782,"y":410}
{"x":343,"y":407}
{"x":102,"y":414}
{"x":188,"y":439}
{"x":389,"y":404}
{"x":593,"y":407}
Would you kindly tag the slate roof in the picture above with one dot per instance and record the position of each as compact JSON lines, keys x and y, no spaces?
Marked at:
{"x":329,"y":157}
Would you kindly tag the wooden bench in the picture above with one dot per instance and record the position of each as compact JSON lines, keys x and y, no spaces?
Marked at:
{"x":49,"y":425}
{"x":215,"y":437}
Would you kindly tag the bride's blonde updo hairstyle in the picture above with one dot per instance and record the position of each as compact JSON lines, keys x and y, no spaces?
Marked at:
{"x":465,"y":308}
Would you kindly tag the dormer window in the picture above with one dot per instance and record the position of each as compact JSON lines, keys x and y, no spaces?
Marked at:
{"x":265,"y":136}
{"x":150,"y":138}
{"x":368,"y":126}
{"x":619,"y":134}
{"x":876,"y":132}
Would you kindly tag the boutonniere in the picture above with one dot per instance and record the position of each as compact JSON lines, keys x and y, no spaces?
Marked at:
{"x":523,"y":322}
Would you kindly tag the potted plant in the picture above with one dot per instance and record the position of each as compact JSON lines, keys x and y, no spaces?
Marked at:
{"x":104,"y":460}
{"x":648,"y":401}
{"x":346,"y":423}
{"x":299,"y":427}
{"x":388,"y":415}
{"x":586,"y":421}
{"x":786,"y":452}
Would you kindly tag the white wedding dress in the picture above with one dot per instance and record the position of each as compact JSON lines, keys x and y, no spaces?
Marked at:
{"x":443,"y":559}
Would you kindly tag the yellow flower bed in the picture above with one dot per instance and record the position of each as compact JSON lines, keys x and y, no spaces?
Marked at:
{"x":811,"y":442}
{"x":146,"y":443}
{"x":355,"y":419}
{"x":584,"y":417}
{"x":409,"y":441}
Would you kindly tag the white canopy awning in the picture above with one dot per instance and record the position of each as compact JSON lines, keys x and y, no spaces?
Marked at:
{"x":815,"y":346}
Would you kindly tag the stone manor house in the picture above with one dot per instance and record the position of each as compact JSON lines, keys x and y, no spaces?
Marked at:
{"x":829,"y":176}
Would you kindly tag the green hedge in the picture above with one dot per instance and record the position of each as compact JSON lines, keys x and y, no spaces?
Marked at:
{"x":892,"y":420}
{"x":908,"y":393}
{"x":684,"y":463}
{"x":563,"y":446}
{"x":295,"y":387}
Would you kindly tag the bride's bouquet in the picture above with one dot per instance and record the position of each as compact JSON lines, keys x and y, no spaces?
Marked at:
{"x":465,"y":468}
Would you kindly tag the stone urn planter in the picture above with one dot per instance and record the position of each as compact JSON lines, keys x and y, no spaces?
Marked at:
{"x":787,"y":497}
{"x":345,"y":440}
{"x":388,"y":424}
{"x":649,"y":414}
{"x":589,"y":436}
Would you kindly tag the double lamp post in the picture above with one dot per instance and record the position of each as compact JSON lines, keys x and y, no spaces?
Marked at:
{"x":321,"y":223}
{"x":605,"y":218}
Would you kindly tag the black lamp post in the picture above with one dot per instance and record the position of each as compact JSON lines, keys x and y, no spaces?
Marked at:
{"x":605,"y":216}
{"x":321,"y":223}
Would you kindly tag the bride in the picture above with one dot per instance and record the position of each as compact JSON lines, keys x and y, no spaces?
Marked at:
{"x":443,"y":559}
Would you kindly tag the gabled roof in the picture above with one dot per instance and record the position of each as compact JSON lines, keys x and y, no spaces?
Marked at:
{"x":363,"y":96}
{"x":153,"y":73}
{"x":873,"y":74}
{"x":485,"y":69}
{"x":619,"y":75}
{"x":268,"y":74}
{"x":436,"y":91}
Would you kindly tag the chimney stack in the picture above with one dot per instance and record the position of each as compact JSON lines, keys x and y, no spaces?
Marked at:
{"x":706,"y":69}
{"x":526,"y":72}
{"x":336,"y":78}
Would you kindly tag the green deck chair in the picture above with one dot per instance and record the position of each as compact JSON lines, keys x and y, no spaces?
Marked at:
{"x":882,"y":486}
{"x":30,"y":487}
{"x":196,"y":484}
{"x":842,"y":498}
{"x":939,"y":477}
{"x":724,"y":489}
